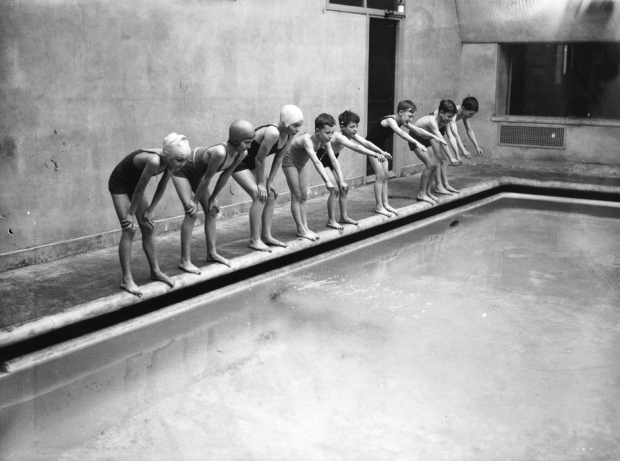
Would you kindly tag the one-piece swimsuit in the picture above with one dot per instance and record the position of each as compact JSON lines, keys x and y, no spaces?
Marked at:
{"x":378,"y":134}
{"x":126,"y":175}
{"x":195,"y":169}
{"x":249,"y":162}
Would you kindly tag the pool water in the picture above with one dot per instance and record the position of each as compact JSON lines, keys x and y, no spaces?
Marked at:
{"x":492,"y":334}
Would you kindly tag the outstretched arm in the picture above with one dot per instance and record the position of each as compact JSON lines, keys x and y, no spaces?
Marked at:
{"x":150,"y":168}
{"x":217,"y":155}
{"x":454,"y":147}
{"x":453,"y":129}
{"x":472,"y":136}
{"x":422,"y":132}
{"x":437,"y":134}
{"x":370,"y":146}
{"x":159,"y":192}
{"x":223,"y":179}
{"x":341,"y":139}
{"x":275,"y":166}
{"x":392,"y":124}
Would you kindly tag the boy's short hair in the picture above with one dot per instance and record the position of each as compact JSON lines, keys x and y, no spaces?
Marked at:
{"x":470,"y":103}
{"x":323,"y":120}
{"x":447,"y":106}
{"x":347,"y":117}
{"x":406,"y":105}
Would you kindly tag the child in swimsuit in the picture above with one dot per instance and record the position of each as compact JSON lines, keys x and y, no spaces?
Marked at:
{"x":296,"y":170}
{"x":250,"y":174}
{"x":192,"y":183}
{"x":127,"y":184}
{"x":465,"y":111}
{"x":378,"y":133}
{"x":436,"y":161}
{"x":346,"y":137}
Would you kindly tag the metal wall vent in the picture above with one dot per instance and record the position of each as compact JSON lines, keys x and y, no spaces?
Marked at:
{"x":545,"y":136}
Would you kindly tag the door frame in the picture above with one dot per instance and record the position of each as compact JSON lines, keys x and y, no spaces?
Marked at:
{"x":398,"y":81}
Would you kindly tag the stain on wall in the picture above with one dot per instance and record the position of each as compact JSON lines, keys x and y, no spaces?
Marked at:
{"x":8,"y":148}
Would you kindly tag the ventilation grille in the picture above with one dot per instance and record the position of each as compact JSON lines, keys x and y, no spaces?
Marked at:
{"x":545,"y":136}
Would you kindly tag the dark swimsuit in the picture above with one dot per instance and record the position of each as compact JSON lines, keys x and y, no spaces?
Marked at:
{"x":324,"y":158}
{"x":378,"y":134}
{"x":249,"y":162}
{"x":426,"y":142}
{"x":194,"y":170}
{"x":126,"y":175}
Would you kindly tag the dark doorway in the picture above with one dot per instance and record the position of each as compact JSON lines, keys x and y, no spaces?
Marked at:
{"x":381,"y":74}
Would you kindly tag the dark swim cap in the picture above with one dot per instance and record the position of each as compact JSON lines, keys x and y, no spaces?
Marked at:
{"x":240,"y":130}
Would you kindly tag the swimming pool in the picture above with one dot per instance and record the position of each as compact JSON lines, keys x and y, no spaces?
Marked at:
{"x":489,"y":332}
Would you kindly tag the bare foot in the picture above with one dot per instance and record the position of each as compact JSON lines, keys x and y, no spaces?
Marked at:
{"x":215,"y":258}
{"x":384,"y":212}
{"x":334,"y":225}
{"x":432,"y":197}
{"x":273,"y":242}
{"x":348,"y":220}
{"x":132,"y":288}
{"x":425,"y":198}
{"x":161,"y":277}
{"x":259,"y":246}
{"x":452,"y":189}
{"x":316,"y":236}
{"x":307,"y":235}
{"x":189,"y":267}
{"x":442,"y":191}
{"x":391,"y":209}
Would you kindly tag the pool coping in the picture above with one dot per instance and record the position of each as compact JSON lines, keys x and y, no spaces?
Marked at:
{"x":92,"y":309}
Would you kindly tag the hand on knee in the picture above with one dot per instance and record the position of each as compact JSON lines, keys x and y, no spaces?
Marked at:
{"x":146,"y":229}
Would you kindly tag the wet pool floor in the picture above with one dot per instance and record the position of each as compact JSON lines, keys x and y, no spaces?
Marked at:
{"x":489,"y":335}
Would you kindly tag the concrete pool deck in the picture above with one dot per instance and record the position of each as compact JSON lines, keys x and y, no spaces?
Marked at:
{"x":47,"y":296}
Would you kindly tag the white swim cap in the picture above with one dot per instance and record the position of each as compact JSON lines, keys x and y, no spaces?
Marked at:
{"x":241,"y":130}
{"x":175,"y":145}
{"x":290,"y":114}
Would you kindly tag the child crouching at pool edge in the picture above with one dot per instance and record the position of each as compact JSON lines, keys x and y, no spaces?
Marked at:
{"x":127,"y":185}
{"x":295,"y":166}
{"x":346,"y":137}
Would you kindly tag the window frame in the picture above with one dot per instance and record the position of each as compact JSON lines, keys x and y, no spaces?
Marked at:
{"x":504,"y":88}
{"x":365,"y":10}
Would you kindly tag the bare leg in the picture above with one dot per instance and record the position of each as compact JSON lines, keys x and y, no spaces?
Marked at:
{"x":210,"y":231}
{"x":331,"y":201}
{"x":303,"y":207}
{"x":386,"y":205}
{"x":121,"y":205}
{"x":148,"y":245}
{"x":342,"y":201}
{"x":429,"y":169}
{"x":184,"y":190}
{"x":380,"y":184}
{"x":292,"y":179}
{"x":441,"y":177}
{"x":267,"y":221}
{"x":248,"y":182}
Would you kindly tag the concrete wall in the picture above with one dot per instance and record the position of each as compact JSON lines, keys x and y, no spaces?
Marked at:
{"x":430,"y":62}
{"x":83,"y":83}
{"x":483,"y":21}
{"x":484,"y":74}
{"x":591,"y":145}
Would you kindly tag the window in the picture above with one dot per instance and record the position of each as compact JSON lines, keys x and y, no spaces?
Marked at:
{"x":580,"y":80}
{"x":396,"y":7}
